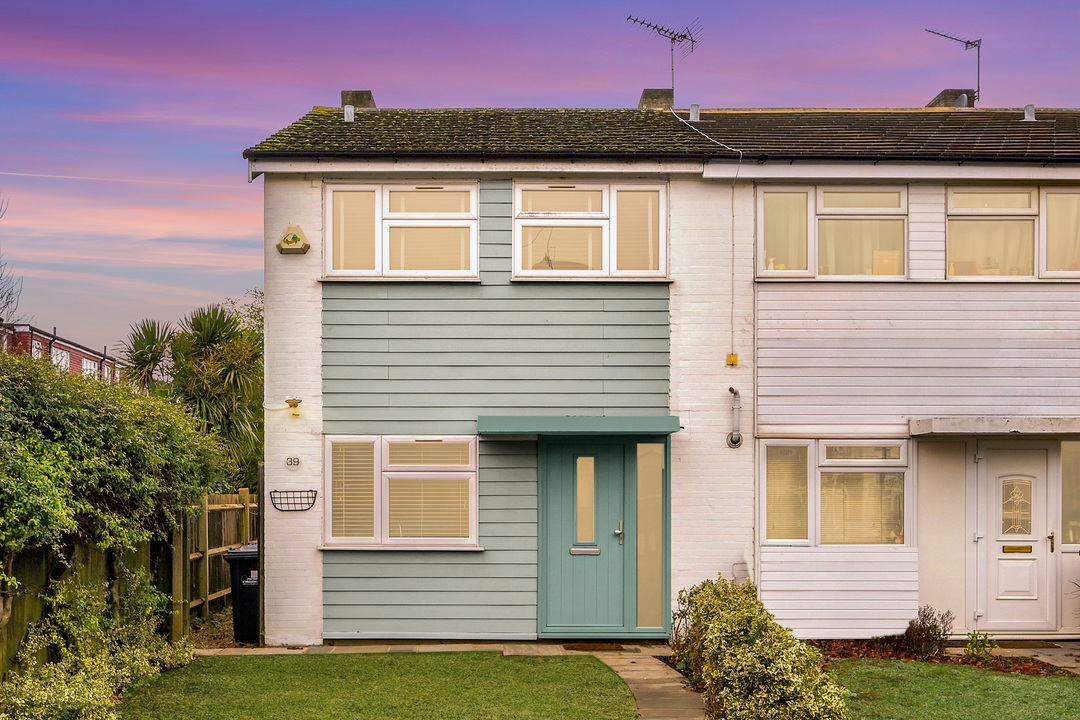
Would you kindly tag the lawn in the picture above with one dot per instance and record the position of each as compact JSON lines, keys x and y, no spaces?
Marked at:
{"x":899,"y":690}
{"x":387,"y":686}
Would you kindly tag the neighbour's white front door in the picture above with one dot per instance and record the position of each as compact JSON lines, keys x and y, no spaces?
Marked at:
{"x":1017,"y":536}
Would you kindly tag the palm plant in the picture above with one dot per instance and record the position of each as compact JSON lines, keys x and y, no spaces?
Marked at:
{"x":146,"y":354}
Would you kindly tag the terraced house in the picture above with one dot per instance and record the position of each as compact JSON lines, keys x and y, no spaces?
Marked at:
{"x":554,"y":365}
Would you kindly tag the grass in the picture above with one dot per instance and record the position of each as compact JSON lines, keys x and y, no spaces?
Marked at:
{"x":413,"y":686}
{"x":901,"y":690}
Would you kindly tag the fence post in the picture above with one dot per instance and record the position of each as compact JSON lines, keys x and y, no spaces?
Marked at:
{"x":179,"y":562}
{"x":245,"y":518}
{"x":204,"y":567}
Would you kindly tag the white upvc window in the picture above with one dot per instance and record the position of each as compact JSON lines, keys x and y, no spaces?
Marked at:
{"x":61,"y":359}
{"x":409,"y":232}
{"x":89,"y":367}
{"x":832,"y":232}
{"x":405,"y":492}
{"x":37,"y":349}
{"x":1013,"y":233}
{"x":835,"y":492}
{"x":590,"y":231}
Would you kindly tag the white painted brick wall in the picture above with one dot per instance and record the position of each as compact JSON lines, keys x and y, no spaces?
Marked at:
{"x":292,"y":562}
{"x":712,"y":485}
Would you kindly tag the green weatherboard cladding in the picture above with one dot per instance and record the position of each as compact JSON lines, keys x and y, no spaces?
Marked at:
{"x":430,"y":358}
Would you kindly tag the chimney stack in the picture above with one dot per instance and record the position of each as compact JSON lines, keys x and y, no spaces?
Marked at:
{"x":656,"y":99}
{"x":359,"y":99}
{"x":953,"y":98}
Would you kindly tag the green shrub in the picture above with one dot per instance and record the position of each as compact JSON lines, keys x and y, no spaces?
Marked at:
{"x":750,"y":666}
{"x":76,"y":661}
{"x":925,"y":636}
{"x":979,"y":646}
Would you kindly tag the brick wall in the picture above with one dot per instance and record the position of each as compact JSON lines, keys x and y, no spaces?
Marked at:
{"x":293,"y":564}
{"x":712,"y":484}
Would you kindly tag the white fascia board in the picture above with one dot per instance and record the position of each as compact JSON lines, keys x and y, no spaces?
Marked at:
{"x":786,"y":170}
{"x":473,"y":168}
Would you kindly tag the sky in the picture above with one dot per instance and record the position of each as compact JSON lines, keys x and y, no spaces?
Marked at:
{"x":122,"y":122}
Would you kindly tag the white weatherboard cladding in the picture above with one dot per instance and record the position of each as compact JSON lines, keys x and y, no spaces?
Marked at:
{"x":712,"y":503}
{"x":840,"y":592}
{"x":292,"y":563}
{"x":863,"y":358}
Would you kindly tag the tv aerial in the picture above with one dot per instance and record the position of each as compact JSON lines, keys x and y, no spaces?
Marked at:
{"x":968,"y":44}
{"x":687,"y":38}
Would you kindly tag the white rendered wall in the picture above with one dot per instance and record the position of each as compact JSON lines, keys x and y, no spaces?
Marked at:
{"x":292,"y":562}
{"x":712,"y":496}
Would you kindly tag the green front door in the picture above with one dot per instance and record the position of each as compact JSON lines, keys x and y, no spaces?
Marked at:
{"x":603,"y":538}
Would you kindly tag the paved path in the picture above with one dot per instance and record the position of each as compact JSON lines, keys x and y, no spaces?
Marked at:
{"x":658,"y":690}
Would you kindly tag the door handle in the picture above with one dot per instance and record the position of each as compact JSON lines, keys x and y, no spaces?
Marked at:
{"x":619,"y":532}
{"x":1049,"y":537}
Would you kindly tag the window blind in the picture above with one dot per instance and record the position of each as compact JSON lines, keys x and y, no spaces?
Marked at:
{"x":428,"y":507}
{"x":786,"y":492}
{"x":353,"y":490}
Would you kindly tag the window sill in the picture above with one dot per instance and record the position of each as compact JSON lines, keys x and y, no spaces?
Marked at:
{"x":379,"y":279}
{"x":424,"y":548}
{"x":590,"y":278}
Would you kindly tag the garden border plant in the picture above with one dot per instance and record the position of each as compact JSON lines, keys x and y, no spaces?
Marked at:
{"x":748,"y":665}
{"x":82,"y":462}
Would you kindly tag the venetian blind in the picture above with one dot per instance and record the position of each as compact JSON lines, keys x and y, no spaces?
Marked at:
{"x":862,"y":508}
{"x":353,"y":489}
{"x":429,"y":453}
{"x":428,"y":507}
{"x":785,"y":492}
{"x":354,"y":230}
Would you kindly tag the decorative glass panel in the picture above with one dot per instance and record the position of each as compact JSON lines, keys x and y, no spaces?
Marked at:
{"x":354,"y":230}
{"x":1070,"y":492}
{"x":850,"y":246}
{"x":786,"y":492}
{"x":428,"y":452}
{"x":562,"y":200}
{"x":429,"y":248}
{"x":785,"y":228}
{"x":862,"y":508}
{"x":429,"y":201}
{"x":352,"y":488}
{"x":562,"y":247}
{"x":428,"y":507}
{"x":1002,"y":200}
{"x":585,"y":488}
{"x":862,"y":452}
{"x":650,"y":534}
{"x":991,"y":247}
{"x":1063,"y":231}
{"x":1016,"y":506}
{"x":638,"y":230}
{"x":885,"y":200}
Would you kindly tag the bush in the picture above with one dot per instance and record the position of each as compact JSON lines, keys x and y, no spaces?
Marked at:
{"x":979,"y":646}
{"x":925,"y":636}
{"x":751,"y":667}
{"x":93,"y":656}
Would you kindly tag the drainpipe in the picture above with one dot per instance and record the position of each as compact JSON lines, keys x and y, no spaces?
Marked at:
{"x":734,"y":438}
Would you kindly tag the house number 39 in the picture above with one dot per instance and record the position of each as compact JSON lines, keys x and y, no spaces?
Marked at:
{"x":292,"y":462}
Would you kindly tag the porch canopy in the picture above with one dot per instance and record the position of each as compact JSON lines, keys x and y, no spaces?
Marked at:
{"x":577,"y":425}
{"x":992,"y":425}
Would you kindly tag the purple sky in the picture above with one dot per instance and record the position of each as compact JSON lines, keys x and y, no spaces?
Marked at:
{"x":123,"y":121}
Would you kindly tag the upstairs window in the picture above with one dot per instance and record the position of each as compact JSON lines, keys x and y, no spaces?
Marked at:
{"x":89,"y":367}
{"x":61,"y":359}
{"x":590,"y":231}
{"x":402,"y":231}
{"x":833,"y":232}
{"x":1008,"y":232}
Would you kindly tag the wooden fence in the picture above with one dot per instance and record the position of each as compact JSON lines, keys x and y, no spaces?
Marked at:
{"x":200,"y":574}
